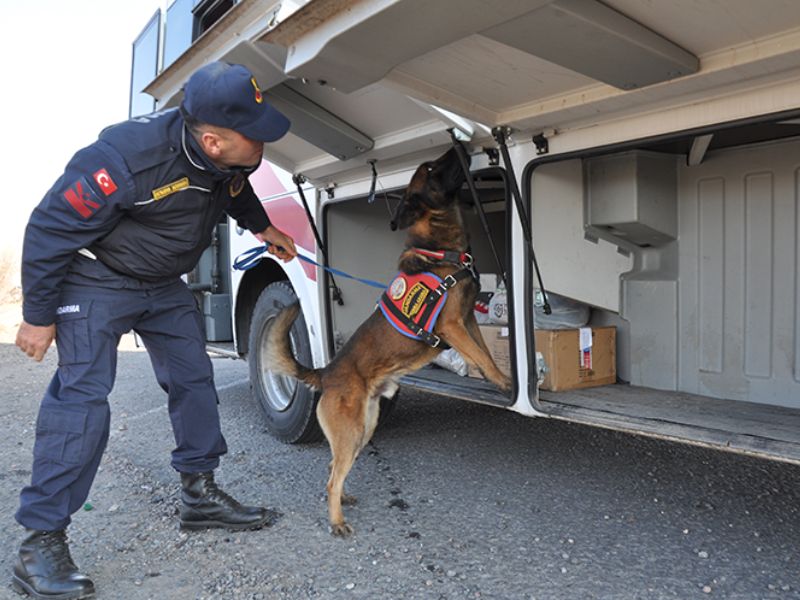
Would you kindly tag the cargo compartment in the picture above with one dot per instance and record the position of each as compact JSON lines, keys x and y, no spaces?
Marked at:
{"x":703,"y":291}
{"x":359,"y":239}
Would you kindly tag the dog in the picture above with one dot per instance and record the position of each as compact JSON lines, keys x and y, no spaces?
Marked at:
{"x":370,"y":364}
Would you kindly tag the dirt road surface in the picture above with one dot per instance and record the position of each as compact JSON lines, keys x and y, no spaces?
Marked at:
{"x":456,"y":500}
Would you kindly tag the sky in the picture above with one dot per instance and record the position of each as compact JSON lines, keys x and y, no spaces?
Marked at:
{"x":65,"y":76}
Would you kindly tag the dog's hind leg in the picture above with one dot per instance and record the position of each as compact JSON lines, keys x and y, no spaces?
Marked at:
{"x":347,"y":499}
{"x":342,"y":421}
{"x":370,"y":423}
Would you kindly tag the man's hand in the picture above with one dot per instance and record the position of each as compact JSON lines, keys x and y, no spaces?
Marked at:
{"x":34,"y":340}
{"x":281,"y":245}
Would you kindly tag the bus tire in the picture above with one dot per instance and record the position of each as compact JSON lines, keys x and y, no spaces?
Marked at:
{"x":289,"y":407}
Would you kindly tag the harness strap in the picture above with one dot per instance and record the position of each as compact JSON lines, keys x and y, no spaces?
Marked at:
{"x":448,"y":282}
{"x":430,"y":338}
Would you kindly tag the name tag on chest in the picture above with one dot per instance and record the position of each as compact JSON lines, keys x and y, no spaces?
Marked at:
{"x":170,"y":188}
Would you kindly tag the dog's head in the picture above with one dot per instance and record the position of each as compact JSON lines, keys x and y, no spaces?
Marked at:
{"x":433,"y":187}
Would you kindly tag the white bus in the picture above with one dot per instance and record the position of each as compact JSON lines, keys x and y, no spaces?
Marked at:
{"x":656,"y":149}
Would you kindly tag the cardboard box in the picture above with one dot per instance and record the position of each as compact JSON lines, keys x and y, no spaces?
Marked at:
{"x":570,"y":368}
{"x":496,"y":338}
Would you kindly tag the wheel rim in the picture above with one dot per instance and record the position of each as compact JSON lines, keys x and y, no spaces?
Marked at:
{"x":279,"y":389}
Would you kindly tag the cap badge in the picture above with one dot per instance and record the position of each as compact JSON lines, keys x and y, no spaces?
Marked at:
{"x":259,"y":97}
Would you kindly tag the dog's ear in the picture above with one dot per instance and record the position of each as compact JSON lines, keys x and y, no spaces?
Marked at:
{"x":410,"y":209}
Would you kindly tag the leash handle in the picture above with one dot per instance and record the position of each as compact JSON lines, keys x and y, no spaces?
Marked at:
{"x":250,"y":258}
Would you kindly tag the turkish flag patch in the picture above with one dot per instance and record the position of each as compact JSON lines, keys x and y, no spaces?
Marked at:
{"x":82,"y":198}
{"x":105,"y":182}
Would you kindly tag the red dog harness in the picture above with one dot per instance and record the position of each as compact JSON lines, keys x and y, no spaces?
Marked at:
{"x":412,"y":303}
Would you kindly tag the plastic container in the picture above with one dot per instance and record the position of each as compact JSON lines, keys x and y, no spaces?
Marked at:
{"x":451,"y":360}
{"x":566,"y":312}
{"x":498,"y":307}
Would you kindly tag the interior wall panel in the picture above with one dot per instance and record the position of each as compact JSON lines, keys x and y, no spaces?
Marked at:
{"x":739,"y":274}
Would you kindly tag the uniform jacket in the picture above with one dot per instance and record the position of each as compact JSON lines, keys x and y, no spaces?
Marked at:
{"x":143,"y":199}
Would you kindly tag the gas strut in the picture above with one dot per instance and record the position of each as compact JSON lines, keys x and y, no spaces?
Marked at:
{"x":299,"y":179}
{"x":500,"y":135}
{"x":462,"y":158}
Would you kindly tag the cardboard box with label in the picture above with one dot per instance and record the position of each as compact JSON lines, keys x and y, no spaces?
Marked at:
{"x":575,"y":358}
{"x":578,"y":358}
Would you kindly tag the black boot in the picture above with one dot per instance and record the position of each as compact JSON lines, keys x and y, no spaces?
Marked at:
{"x":45,"y":569}
{"x":206,"y":506}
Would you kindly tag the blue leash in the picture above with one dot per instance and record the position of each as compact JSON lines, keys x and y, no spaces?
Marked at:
{"x":250,"y":258}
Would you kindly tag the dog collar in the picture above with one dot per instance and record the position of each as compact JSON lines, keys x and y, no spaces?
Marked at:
{"x":449,"y":256}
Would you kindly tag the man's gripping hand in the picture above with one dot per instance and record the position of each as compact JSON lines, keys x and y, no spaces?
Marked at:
{"x":281,"y":245}
{"x":34,"y":340}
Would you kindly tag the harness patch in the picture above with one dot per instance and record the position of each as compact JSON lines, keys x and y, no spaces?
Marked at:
{"x":398,"y":288}
{"x":412,"y":303}
{"x":410,"y":295}
{"x":170,"y":188}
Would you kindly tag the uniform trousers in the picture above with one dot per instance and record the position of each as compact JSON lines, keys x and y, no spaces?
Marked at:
{"x":73,"y":424}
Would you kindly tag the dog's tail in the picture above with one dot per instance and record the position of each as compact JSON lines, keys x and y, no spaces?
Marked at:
{"x":279,"y":350}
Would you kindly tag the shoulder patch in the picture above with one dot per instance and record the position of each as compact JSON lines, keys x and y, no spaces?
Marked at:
{"x":81,"y":197}
{"x":105,"y":182}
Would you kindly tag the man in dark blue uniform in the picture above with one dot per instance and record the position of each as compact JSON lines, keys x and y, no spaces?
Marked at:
{"x":103,"y":254}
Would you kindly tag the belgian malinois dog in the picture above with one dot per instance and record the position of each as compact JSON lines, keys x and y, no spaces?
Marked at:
{"x":373,"y":359}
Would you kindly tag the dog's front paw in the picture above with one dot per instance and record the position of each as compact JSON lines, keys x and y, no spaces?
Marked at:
{"x":342,"y":530}
{"x":505,"y":385}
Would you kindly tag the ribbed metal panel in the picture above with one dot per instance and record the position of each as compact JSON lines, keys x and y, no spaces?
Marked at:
{"x":711,"y":273}
{"x":758,"y":271}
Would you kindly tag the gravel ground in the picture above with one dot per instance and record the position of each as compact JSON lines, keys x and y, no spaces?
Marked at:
{"x":455,"y":501}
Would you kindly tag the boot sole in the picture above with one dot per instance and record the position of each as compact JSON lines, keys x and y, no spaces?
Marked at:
{"x":269,"y":519}
{"x":198,"y":525}
{"x":19,"y":586}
